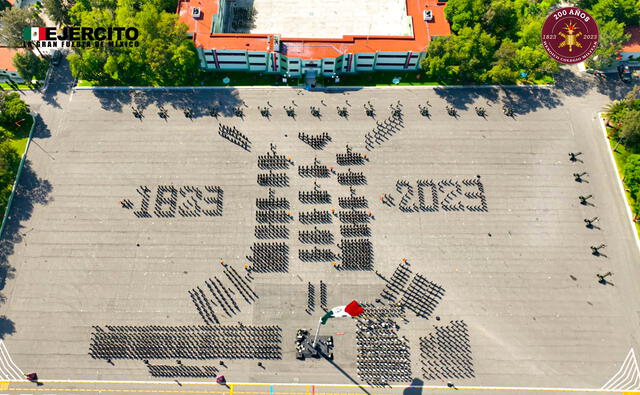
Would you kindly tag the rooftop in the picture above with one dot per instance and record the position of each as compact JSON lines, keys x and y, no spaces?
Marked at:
{"x":6,"y":58}
{"x":331,"y":18}
{"x":355,"y":37}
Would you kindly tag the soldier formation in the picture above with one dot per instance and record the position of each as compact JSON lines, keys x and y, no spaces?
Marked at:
{"x":235,"y":136}
{"x":384,"y":130}
{"x":446,"y":354}
{"x":192,"y":342}
{"x":316,"y":142}
{"x":383,"y":356}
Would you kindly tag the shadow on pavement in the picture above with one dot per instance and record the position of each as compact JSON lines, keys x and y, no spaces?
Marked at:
{"x":30,"y":191}
{"x":415,"y":387}
{"x":524,"y":101}
{"x":462,"y":98}
{"x":41,"y":130}
{"x":7,"y":327}
{"x":197,"y":101}
{"x":60,"y":81}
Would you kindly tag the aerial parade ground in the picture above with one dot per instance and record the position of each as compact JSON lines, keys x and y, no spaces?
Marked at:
{"x":173,"y":236}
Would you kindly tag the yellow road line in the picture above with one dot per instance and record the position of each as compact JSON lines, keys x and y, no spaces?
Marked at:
{"x":303,"y":389}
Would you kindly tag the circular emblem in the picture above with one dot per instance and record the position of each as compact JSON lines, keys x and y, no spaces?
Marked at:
{"x":570,"y":35}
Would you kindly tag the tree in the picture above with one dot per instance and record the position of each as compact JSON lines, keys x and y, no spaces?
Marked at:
{"x":612,"y":36}
{"x":4,"y":134}
{"x":586,"y":4}
{"x":13,"y":20}
{"x":615,"y":111}
{"x":30,"y":66}
{"x":9,"y":160}
{"x":622,"y":11}
{"x":464,"y":57}
{"x":165,"y":55}
{"x":630,"y":129}
{"x":12,"y":109}
{"x":462,"y":13}
{"x":501,"y":19}
{"x":503,"y":71}
{"x":631,"y":173}
{"x":57,"y":11}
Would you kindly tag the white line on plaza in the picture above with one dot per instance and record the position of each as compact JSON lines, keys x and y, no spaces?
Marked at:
{"x":619,"y":181}
{"x":628,"y":376}
{"x":9,"y":370}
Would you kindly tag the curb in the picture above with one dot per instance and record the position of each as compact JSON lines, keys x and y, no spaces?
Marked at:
{"x":15,"y":182}
{"x":619,"y":181}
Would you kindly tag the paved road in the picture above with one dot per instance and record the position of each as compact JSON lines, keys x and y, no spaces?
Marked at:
{"x":521,"y":275}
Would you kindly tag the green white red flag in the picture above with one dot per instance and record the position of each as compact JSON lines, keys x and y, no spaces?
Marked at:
{"x":353,"y":309}
{"x":34,"y":33}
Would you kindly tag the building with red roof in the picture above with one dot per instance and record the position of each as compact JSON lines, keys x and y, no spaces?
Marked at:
{"x":7,"y":69}
{"x":397,"y":39}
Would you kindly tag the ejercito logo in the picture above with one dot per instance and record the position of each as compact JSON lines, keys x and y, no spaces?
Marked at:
{"x":77,"y":36}
{"x":570,"y":35}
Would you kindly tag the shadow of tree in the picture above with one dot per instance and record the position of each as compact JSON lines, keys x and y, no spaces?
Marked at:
{"x":573,"y":83}
{"x":415,"y":387}
{"x":41,"y":130}
{"x":526,"y":100}
{"x":7,"y":327}
{"x":522,"y":99}
{"x":462,"y":98}
{"x":30,"y":191}
{"x":60,"y":81}
{"x":197,"y":100}
{"x":613,"y":87}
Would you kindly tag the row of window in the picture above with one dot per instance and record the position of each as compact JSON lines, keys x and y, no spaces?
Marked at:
{"x":295,"y":63}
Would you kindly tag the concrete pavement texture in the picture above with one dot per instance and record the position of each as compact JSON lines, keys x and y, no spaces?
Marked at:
{"x":520,"y":274}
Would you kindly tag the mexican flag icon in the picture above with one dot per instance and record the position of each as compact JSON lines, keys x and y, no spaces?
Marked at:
{"x":353,"y":309}
{"x":34,"y":33}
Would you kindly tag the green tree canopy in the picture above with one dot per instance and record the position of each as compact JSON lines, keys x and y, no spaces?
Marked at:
{"x":12,"y":109}
{"x":506,"y":34}
{"x":13,"y":20}
{"x":462,"y":57}
{"x":29,"y":65}
{"x":632,"y":174}
{"x":463,"y":13}
{"x":630,"y":129}
{"x":621,"y":11}
{"x":165,"y":55}
{"x":57,"y":10}
{"x":612,"y":36}
{"x":9,"y":160}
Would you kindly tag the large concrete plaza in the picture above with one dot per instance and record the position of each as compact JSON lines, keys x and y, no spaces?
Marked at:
{"x":521,"y":275}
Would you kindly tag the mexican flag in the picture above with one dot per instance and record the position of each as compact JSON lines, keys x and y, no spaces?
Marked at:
{"x":34,"y":33}
{"x":353,"y":309}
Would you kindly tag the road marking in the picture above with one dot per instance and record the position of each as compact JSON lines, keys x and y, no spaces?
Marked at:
{"x":8,"y":369}
{"x":13,"y":365}
{"x":303,"y":389}
{"x":628,"y":376}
